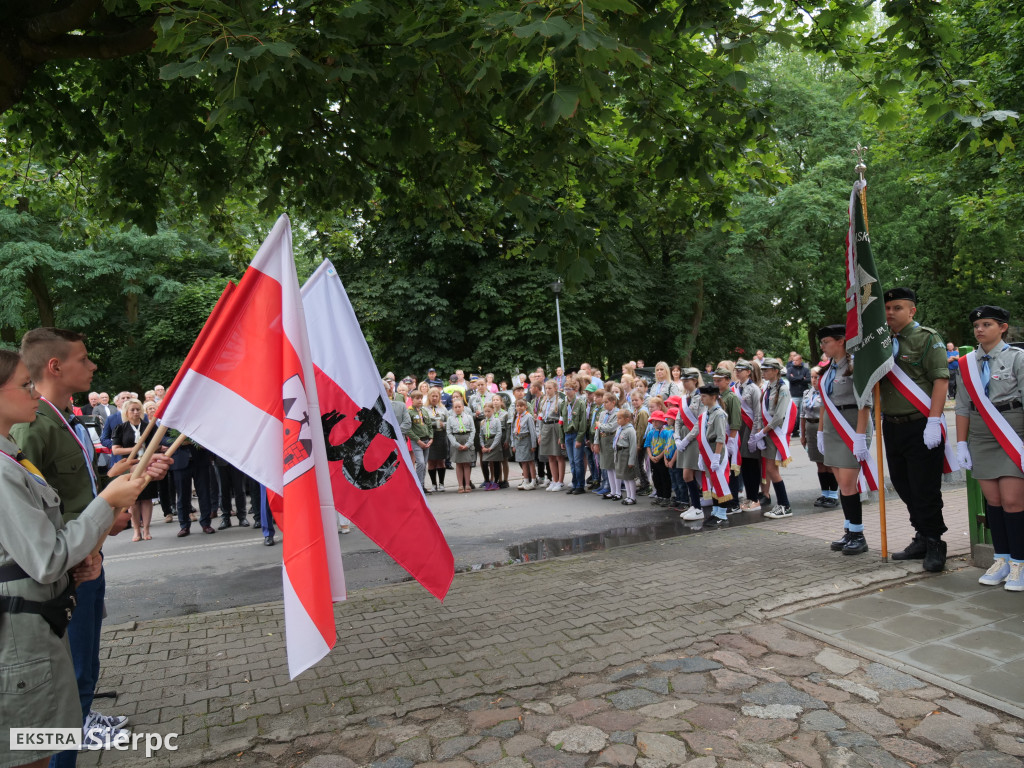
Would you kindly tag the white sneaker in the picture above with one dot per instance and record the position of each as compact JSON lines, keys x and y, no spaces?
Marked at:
{"x":553,"y":487}
{"x":997,"y":573}
{"x":522,"y":485}
{"x":1015,"y":581}
{"x":779,"y":511}
{"x":544,"y":483}
{"x":531,"y":486}
{"x":693,"y":513}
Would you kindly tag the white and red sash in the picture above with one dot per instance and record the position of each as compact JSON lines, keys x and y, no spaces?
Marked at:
{"x":917,"y":397}
{"x":714,"y":482}
{"x":747,"y":412}
{"x":687,"y":414}
{"x":780,"y":435}
{"x":868,"y":469}
{"x":995,"y":421}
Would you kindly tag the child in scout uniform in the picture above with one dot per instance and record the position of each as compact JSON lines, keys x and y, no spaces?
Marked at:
{"x":913,"y":426}
{"x":687,"y":450}
{"x":641,"y":420}
{"x":624,"y":443}
{"x":730,"y":403}
{"x":775,"y":409}
{"x":574,"y":421}
{"x":595,"y":398}
{"x":490,"y":445}
{"x":836,"y":384}
{"x":715,"y":434}
{"x":989,"y":427}
{"x":675,"y":474}
{"x":551,"y":437}
{"x":421,"y":434}
{"x":477,"y":397}
{"x":748,"y":378}
{"x":460,"y":439}
{"x":655,"y":443}
{"x":810,"y":414}
{"x":506,"y":453}
{"x":603,"y":434}
{"x":524,"y":440}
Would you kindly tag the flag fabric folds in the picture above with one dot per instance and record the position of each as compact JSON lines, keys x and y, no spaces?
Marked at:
{"x":248,"y":394}
{"x":372,"y":475}
{"x":867,"y":335}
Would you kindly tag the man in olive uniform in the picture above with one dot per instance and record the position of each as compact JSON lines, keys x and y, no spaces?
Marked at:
{"x":914,"y":441}
{"x":730,"y":403}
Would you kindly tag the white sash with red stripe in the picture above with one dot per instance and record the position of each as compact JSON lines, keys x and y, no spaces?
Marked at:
{"x":995,"y":421}
{"x":917,"y":397}
{"x":868,"y":469}
{"x":780,"y":435}
{"x":747,"y":412}
{"x":716,"y":482}
{"x":687,"y":414}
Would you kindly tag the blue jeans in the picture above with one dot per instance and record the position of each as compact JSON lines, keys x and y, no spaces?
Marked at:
{"x":591,"y":457}
{"x":679,"y":491}
{"x":574,"y":454}
{"x":84,"y":638}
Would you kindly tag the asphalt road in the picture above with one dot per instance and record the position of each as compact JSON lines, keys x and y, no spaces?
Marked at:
{"x":168,"y":576}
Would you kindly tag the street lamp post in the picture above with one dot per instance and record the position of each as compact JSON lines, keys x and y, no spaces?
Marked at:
{"x":556,"y":288}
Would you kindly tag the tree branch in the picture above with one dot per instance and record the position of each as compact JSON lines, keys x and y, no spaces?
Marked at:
{"x":47,"y":26}
{"x":93,"y":47}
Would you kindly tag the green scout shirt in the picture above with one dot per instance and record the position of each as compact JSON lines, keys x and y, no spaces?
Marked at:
{"x":421,"y":428}
{"x":48,"y":444}
{"x":922,"y":356}
{"x":730,"y":403}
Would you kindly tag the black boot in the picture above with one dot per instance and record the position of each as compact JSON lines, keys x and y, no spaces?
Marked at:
{"x":856,"y":545}
{"x":838,"y":544}
{"x":915,"y":550}
{"x":935,"y":557}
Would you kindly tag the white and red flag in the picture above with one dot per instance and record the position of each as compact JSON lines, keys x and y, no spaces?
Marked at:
{"x":372,"y":475}
{"x":249,"y":395}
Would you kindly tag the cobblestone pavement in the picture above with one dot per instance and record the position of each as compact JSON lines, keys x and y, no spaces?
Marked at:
{"x":652,"y":655}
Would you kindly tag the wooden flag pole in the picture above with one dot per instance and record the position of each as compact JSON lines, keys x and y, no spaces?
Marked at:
{"x":142,"y":438}
{"x":860,"y":168}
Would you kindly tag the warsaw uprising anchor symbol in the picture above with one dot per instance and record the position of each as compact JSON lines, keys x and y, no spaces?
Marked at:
{"x":352,"y":451}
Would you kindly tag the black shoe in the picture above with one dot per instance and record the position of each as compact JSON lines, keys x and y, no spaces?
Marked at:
{"x":838,"y":544}
{"x":225,"y":523}
{"x":579,"y":492}
{"x":820,"y":501}
{"x":765,"y":502}
{"x":856,"y":545}
{"x":612,"y":497}
{"x":571,"y":491}
{"x":208,"y":529}
{"x":830,"y":503}
{"x":244,"y":523}
{"x":629,"y":502}
{"x":714,"y":523}
{"x":503,"y":484}
{"x":183,"y":532}
{"x":268,"y":541}
{"x":935,"y":555}
{"x":915,"y":550}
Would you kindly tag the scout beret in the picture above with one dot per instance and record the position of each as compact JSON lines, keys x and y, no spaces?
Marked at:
{"x":834,"y":331}
{"x":708,"y":389}
{"x":722,"y":373}
{"x":895,"y":294}
{"x":771,"y":362}
{"x":657,"y":416}
{"x":690,"y":373}
{"x":989,"y":312}
{"x":743,"y":365}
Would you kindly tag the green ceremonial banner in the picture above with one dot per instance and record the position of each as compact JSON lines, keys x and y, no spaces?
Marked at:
{"x":867,"y":335}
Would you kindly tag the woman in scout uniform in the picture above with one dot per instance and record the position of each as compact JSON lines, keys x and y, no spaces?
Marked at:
{"x":437,"y":454}
{"x":810,"y":415}
{"x":524,"y":440}
{"x":748,"y":377}
{"x":551,"y":438}
{"x":421,"y":433}
{"x":989,"y":427}
{"x":715,"y":434}
{"x":836,"y":384}
{"x":687,"y":450}
{"x":624,"y":447}
{"x":574,"y":421}
{"x":460,"y":441}
{"x":41,"y":557}
{"x":775,"y":408}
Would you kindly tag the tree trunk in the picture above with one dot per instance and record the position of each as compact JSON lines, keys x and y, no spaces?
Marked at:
{"x":695,"y":320}
{"x":36,"y":282}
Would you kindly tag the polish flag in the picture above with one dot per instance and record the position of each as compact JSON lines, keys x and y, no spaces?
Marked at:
{"x":372,"y":473}
{"x":249,"y":395}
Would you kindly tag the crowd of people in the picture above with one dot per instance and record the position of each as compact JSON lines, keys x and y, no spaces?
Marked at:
{"x":707,"y":445}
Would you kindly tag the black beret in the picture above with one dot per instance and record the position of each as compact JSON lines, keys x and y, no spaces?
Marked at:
{"x":990,"y":312}
{"x":895,"y":294}
{"x":836,"y":330}
{"x":708,"y":389}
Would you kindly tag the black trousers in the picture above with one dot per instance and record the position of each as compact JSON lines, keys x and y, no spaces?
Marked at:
{"x":661,"y":480}
{"x":232,"y":486}
{"x":198,"y":470}
{"x":916,"y":474}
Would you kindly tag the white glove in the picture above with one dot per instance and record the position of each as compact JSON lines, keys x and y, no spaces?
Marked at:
{"x":700,"y":464}
{"x":819,"y":440}
{"x":685,"y":442}
{"x":734,"y":445}
{"x":860,"y":447}
{"x":933,"y":432}
{"x":759,"y":436}
{"x":963,"y":455}
{"x":761,"y":444}
{"x":716,"y":461}
{"x":752,"y":443}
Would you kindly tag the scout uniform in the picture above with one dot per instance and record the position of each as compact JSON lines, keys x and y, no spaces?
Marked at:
{"x":437,"y":417}
{"x":914,"y":469}
{"x":837,"y":381}
{"x":605,"y":433}
{"x":624,"y":442}
{"x":490,"y":437}
{"x":420,"y":428}
{"x":550,"y":427}
{"x":460,"y":432}
{"x":574,"y":424}
{"x":778,"y":400}
{"x":524,"y":436}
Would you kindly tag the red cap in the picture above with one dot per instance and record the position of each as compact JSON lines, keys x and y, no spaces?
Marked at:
{"x":657,"y":416}
{"x":674,"y":400}
{"x":673,"y":413}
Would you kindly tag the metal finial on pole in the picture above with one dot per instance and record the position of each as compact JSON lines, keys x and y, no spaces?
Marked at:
{"x":861,"y":166}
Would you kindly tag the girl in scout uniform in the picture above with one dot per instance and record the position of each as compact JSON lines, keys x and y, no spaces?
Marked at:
{"x":810,"y":415}
{"x":989,"y":427}
{"x":603,"y":433}
{"x":490,"y":445}
{"x":837,"y":383}
{"x":551,"y":437}
{"x":686,"y":443}
{"x":437,"y":454}
{"x":461,"y":430}
{"x":41,"y":557}
{"x":502,"y":416}
{"x":774,"y":410}
{"x":641,"y":416}
{"x":420,"y":435}
{"x":624,"y":446}
{"x":716,"y":433}
{"x":524,"y":439}
{"x":748,"y":377}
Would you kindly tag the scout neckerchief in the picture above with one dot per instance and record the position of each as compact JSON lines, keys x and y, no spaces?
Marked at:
{"x":994,"y":420}
{"x":868,"y":479}
{"x":657,"y":387}
{"x":615,"y":440}
{"x":74,"y":434}
{"x":548,"y":402}
{"x":568,"y":410}
{"x":26,"y":465}
{"x":462,"y":427}
{"x":519,"y":422}
{"x":917,"y":397}
{"x":714,"y":483}
{"x":780,"y":435}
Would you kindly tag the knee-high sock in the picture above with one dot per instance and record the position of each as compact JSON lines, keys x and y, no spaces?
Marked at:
{"x":613,"y":483}
{"x":631,"y":489}
{"x":440,"y":476}
{"x":833,"y":483}
{"x":485,"y":467}
{"x":780,"y":493}
{"x":823,"y":480}
{"x":693,"y":487}
{"x":433,"y":476}
{"x":852,"y":512}
{"x":995,"y":517}
{"x":1015,"y":534}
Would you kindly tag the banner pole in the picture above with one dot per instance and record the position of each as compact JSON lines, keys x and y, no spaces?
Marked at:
{"x":860,"y":168}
